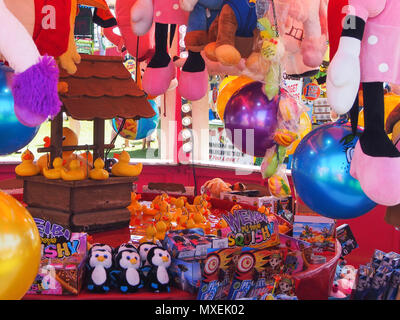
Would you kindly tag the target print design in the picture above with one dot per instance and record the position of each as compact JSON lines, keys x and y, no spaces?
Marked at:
{"x":245,"y":262}
{"x":212,"y":264}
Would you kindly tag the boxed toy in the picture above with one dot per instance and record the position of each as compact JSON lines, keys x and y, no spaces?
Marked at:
{"x":188,"y":249}
{"x":217,"y":273}
{"x":317,"y":230}
{"x":346,"y":239}
{"x":63,"y":260}
{"x":284,"y":207}
{"x":296,"y":254}
{"x":250,"y":228}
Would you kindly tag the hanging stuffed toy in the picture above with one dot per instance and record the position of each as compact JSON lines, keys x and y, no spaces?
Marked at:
{"x":32,"y":71}
{"x":232,"y":35}
{"x":202,"y":14}
{"x":143,"y":48}
{"x":302,"y":26}
{"x":367,"y":54}
{"x":161,"y":69}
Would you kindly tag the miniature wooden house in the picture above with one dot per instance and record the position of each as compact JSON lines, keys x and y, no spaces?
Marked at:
{"x":101,"y":89}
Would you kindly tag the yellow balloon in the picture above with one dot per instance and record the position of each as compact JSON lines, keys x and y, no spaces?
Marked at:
{"x":305,"y":127}
{"x":226,"y":92}
{"x":391,"y":102}
{"x":20,"y":249}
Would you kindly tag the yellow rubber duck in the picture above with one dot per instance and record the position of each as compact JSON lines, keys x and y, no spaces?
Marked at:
{"x":190,"y":224}
{"x":150,"y":233}
{"x":27,"y":168}
{"x":161,"y":229}
{"x":75,"y":172}
{"x":98,"y":173}
{"x":55,"y":173}
{"x":123,"y":169}
{"x":199,"y":220}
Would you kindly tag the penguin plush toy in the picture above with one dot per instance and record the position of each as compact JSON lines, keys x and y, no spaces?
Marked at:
{"x":130,"y":277}
{"x":99,"y":265}
{"x":125,"y":246}
{"x":100,"y":246}
{"x":144,"y":249}
{"x":158,"y":278}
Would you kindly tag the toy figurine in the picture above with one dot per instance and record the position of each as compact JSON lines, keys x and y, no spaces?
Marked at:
{"x":99,"y":267}
{"x":144,"y":249}
{"x":158,"y":278}
{"x":367,"y":53}
{"x":130,"y":277}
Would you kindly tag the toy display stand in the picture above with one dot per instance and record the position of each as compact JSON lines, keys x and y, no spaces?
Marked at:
{"x":313,"y":284}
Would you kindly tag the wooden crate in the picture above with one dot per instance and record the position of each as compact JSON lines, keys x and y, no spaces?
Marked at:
{"x":86,"y":205}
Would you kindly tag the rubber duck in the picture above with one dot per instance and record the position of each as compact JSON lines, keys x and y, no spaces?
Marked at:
{"x":190,"y":224}
{"x":56,"y":172}
{"x":199,"y":220}
{"x":75,"y":172}
{"x":27,"y":168}
{"x":161,"y":229}
{"x":180,"y":202}
{"x":222,"y":224}
{"x":150,"y":233}
{"x":98,"y":173}
{"x":69,"y":139}
{"x":123,"y":169}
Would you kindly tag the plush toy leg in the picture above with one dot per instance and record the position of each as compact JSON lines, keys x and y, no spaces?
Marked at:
{"x":224,"y":48}
{"x":376,"y":161}
{"x":161,"y":70}
{"x":193,"y":72}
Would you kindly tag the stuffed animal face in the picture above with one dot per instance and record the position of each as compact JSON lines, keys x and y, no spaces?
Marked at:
{"x":101,"y":258}
{"x":100,"y":246}
{"x":128,"y":259}
{"x":159,"y":257}
{"x":126,"y":246}
{"x":144,"y":249}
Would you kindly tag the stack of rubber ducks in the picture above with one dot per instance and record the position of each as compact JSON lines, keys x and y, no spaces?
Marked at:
{"x":166,"y":213}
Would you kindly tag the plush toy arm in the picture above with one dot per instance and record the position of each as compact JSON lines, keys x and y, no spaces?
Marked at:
{"x":16,"y":44}
{"x":366,"y":8}
{"x":188,"y":5}
{"x":343,"y":79}
{"x":142,"y":16}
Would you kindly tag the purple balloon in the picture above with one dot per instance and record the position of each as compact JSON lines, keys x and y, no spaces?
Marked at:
{"x":250,"y":108}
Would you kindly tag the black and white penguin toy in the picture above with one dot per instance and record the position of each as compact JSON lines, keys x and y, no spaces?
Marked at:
{"x":100,"y":246}
{"x":144,"y":249}
{"x":125,"y":246}
{"x":130,"y":278}
{"x":99,"y":266}
{"x":158,"y":278}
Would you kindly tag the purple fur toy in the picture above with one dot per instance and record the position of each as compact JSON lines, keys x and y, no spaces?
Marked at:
{"x":35,"y":92}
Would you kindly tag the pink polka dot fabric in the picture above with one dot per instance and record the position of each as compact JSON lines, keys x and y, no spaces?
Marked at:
{"x":170,"y":12}
{"x":380,"y":48}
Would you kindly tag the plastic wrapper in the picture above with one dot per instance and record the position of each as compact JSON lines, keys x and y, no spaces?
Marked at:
{"x":278,"y":184}
{"x":273,"y":158}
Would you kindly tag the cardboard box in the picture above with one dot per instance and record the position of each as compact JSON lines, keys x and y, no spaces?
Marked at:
{"x":317,"y":230}
{"x":59,"y":277}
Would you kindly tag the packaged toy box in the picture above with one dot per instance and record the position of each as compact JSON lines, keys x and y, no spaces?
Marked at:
{"x":317,"y":230}
{"x":346,"y":238}
{"x":250,"y":228}
{"x":188,"y":250}
{"x":62,"y":265}
{"x":283,"y":207}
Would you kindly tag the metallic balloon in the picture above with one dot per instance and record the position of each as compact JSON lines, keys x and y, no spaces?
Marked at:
{"x":138,"y":129}
{"x":20,"y":249}
{"x":13,"y":134}
{"x":250,"y":109}
{"x":321,"y":173}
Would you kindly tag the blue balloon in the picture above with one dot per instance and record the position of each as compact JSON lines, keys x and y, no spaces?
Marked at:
{"x":321,"y":173}
{"x":146,"y":126}
{"x":13,"y":134}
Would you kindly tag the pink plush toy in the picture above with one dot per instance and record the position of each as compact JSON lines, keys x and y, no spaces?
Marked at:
{"x":161,"y":69}
{"x":144,"y":49}
{"x":35,"y":83}
{"x":369,"y":53}
{"x":302,"y":25}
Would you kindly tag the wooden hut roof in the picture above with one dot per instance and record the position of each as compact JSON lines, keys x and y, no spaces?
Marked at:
{"x":103,"y":88}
